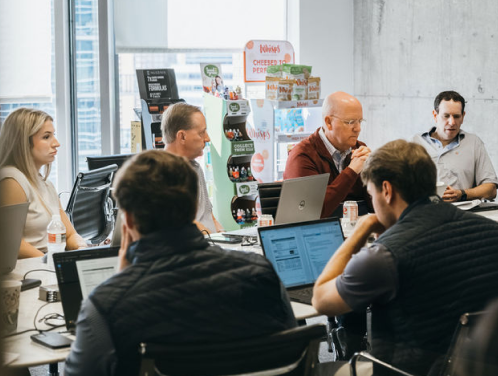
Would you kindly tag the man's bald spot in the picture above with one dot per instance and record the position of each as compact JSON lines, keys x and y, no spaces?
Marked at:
{"x":335,"y":100}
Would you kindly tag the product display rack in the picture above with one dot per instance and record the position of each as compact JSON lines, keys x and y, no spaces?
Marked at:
{"x":284,"y":124}
{"x":231,"y":150}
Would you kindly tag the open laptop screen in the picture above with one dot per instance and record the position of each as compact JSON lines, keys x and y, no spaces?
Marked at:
{"x":300,"y":251}
{"x":79,"y":272}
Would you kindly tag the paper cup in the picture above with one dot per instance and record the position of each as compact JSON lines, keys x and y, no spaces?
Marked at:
{"x":10,"y":292}
{"x":440,"y":188}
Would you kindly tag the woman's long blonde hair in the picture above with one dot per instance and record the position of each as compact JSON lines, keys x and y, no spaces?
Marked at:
{"x":16,"y":141}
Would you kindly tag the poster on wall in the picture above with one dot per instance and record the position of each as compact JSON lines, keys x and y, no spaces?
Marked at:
{"x":260,"y":54}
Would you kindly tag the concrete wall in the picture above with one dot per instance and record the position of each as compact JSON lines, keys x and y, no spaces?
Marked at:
{"x":406,"y":52}
{"x":322,"y":32}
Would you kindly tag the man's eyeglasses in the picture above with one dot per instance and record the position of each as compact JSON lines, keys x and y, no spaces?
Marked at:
{"x":350,"y":123}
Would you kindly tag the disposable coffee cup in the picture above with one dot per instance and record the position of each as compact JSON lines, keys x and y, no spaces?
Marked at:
{"x":10,"y":292}
{"x":440,"y":188}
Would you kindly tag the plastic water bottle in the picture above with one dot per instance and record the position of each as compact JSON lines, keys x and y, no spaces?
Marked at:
{"x":56,"y":238}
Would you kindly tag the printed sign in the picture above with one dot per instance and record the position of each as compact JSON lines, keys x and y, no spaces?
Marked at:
{"x":260,"y":54}
{"x":237,"y":108}
{"x":242,"y":147}
{"x":247,"y":188}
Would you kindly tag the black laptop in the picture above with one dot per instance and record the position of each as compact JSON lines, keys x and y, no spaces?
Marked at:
{"x":300,"y":251}
{"x":78,"y":273}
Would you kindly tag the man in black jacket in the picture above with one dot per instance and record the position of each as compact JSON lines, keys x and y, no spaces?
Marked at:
{"x":173,"y":287}
{"x":432,"y":263}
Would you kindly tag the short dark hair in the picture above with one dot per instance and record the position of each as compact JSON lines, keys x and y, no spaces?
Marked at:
{"x":448,"y":96}
{"x":176,"y":118}
{"x":406,"y":165}
{"x":158,"y":189}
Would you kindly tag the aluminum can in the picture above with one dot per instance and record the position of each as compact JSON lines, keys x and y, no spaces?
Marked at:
{"x":265,"y":220}
{"x":350,"y":211}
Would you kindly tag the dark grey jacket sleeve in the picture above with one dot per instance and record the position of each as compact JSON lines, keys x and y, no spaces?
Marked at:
{"x":93,"y":352}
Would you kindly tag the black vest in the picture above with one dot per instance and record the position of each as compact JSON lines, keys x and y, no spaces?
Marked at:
{"x":181,"y":290}
{"x":447,"y":262}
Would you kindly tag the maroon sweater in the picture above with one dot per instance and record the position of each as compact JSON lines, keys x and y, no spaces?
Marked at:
{"x":311,"y":157}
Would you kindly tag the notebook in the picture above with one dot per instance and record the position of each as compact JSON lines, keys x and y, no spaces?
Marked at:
{"x":12,"y":220}
{"x":78,"y":273}
{"x":301,"y":199}
{"x":300,"y":251}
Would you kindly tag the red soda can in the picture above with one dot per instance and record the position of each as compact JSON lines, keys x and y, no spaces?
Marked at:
{"x":350,"y":211}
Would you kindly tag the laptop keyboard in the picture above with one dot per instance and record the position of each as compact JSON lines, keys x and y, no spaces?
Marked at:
{"x":301,"y":295}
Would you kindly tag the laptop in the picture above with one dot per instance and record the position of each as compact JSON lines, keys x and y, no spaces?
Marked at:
{"x":116,"y":232}
{"x":301,"y":199}
{"x":78,"y":273}
{"x":12,"y":221}
{"x":300,"y":251}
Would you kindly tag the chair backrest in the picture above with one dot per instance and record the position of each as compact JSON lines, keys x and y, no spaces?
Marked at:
{"x":89,"y":207}
{"x":269,"y":196}
{"x":461,"y":336}
{"x":100,"y":161}
{"x":291,"y":352}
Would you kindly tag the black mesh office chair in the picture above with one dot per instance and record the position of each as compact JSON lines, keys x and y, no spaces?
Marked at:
{"x":447,"y":364}
{"x":90,"y":208}
{"x":291,"y":352}
{"x":269,"y":195}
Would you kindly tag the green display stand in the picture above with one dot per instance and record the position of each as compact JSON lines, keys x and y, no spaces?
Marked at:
{"x":230,"y":194}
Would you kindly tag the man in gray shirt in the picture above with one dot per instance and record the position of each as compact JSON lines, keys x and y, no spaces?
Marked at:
{"x":432,"y":262}
{"x":185,"y":133}
{"x":460,"y":157}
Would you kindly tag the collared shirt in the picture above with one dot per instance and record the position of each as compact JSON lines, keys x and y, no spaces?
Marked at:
{"x":205,"y":208}
{"x":338,"y":157}
{"x":463,"y":163}
{"x":439,"y":145}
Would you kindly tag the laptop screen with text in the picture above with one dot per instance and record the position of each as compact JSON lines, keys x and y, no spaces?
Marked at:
{"x":300,"y":251}
{"x":79,"y":272}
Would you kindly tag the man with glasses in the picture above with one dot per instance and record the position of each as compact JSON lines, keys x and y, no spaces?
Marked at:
{"x":334,"y":148}
{"x":460,"y":157}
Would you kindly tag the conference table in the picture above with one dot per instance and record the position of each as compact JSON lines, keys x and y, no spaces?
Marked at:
{"x":21,"y":351}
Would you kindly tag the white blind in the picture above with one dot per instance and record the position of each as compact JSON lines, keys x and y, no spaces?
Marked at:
{"x":25,"y":51}
{"x":196,"y":24}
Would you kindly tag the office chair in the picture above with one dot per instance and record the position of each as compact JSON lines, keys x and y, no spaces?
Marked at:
{"x":450,"y":361}
{"x":291,"y":352}
{"x":269,"y":195}
{"x":100,"y":161}
{"x":90,"y":208}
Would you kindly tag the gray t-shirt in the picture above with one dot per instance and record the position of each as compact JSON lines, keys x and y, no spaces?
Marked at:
{"x":369,"y":277}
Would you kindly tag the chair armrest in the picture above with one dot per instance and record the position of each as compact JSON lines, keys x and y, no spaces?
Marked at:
{"x":373,"y":359}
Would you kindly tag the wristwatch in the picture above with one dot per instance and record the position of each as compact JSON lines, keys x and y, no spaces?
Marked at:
{"x":464,"y":195}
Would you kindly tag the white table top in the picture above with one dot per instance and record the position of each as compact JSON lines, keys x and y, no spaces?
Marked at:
{"x":30,"y":354}
{"x":27,"y":352}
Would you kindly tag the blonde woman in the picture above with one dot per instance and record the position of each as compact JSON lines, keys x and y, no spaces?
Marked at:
{"x":27,"y":149}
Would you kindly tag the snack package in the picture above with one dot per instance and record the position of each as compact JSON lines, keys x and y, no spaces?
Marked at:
{"x":314,"y":88}
{"x":300,"y":89}
{"x":285,"y":90}
{"x":274,"y":71}
{"x":271,"y":90}
{"x":212,"y":79}
{"x":294,"y":71}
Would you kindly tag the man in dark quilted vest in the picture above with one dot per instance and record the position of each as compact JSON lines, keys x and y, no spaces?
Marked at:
{"x":173,"y":286}
{"x":431,"y":263}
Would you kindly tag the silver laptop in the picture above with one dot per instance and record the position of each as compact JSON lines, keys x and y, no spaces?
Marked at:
{"x":300,"y":251}
{"x":12,"y":221}
{"x":116,"y":232}
{"x":301,"y":199}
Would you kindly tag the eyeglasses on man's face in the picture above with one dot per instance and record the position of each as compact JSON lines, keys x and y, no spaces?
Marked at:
{"x":350,"y":123}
